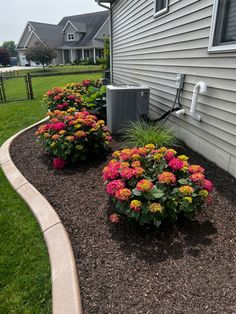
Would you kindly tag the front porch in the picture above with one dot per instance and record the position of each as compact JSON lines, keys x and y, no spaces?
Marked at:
{"x":72,"y":55}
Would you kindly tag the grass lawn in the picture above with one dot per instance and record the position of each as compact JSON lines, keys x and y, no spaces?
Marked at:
{"x":25,"y":285}
{"x":65,"y":68}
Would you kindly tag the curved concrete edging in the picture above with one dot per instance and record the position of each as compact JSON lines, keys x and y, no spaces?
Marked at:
{"x":65,"y":286}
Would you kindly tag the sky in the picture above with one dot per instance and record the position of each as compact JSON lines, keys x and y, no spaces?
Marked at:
{"x":14,"y":14}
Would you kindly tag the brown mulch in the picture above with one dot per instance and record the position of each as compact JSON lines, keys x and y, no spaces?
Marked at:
{"x":187,"y":268}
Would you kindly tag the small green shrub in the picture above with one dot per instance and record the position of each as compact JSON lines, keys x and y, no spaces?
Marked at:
{"x":141,"y":133}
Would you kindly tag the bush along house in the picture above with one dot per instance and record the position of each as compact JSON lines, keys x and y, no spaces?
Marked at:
{"x":74,"y":38}
{"x":165,"y":44}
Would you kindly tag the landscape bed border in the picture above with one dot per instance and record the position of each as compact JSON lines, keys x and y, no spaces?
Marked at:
{"x":65,"y":284}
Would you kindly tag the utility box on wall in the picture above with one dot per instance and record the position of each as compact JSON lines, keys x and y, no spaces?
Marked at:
{"x":125,"y":103}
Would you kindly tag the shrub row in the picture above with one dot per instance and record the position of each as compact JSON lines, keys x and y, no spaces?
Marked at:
{"x":73,"y":132}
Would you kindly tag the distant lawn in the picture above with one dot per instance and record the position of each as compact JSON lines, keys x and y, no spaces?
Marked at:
{"x":64,"y":68}
{"x":15,"y":87}
{"x":25,"y":285}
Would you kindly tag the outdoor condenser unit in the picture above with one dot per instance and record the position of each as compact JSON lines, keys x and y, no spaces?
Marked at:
{"x":125,"y":103}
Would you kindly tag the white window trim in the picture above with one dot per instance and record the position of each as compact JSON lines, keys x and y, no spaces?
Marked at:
{"x":156,"y":14}
{"x":67,"y":36}
{"x":220,"y":48}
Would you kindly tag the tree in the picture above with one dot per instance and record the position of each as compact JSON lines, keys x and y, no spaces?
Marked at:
{"x":10,"y":46}
{"x":4,"y":57}
{"x":39,"y":53}
{"x":107,"y":53}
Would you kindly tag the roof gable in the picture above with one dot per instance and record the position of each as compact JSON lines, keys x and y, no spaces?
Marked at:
{"x":78,"y":27}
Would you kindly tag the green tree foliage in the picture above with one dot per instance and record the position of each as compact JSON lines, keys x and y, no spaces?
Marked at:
{"x":4,"y":57}
{"x":10,"y":46}
{"x":107,"y":53}
{"x":40,"y":54}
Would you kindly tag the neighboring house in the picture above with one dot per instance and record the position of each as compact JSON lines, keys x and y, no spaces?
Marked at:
{"x":76,"y":37}
{"x":152,"y":41}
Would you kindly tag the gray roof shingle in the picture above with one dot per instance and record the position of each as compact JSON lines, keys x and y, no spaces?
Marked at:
{"x":49,"y":33}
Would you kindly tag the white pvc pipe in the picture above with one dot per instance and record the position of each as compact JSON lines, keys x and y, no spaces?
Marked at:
{"x":180,"y":112}
{"x":200,"y":87}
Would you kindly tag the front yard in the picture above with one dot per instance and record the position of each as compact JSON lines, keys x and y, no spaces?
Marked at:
{"x":24,"y":265}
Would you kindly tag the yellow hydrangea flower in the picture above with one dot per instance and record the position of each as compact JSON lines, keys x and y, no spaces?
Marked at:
{"x":189,"y":199}
{"x":156,"y":207}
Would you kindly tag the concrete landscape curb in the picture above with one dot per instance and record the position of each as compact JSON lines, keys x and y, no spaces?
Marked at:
{"x":65,"y":285}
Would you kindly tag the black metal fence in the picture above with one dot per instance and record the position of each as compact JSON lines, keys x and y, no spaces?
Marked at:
{"x":32,"y":85}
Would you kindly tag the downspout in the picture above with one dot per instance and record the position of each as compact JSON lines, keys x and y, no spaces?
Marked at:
{"x":111,"y":43}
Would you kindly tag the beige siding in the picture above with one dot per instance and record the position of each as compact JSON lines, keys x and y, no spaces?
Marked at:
{"x":152,"y":51}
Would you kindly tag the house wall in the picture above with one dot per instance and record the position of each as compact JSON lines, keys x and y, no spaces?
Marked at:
{"x":151,"y":51}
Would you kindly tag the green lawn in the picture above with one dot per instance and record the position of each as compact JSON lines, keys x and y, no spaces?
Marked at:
{"x":25,"y":285}
{"x":65,"y":68}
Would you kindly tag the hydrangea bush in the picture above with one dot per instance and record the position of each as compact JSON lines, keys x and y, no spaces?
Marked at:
{"x":60,"y":98}
{"x":71,"y":135}
{"x":152,"y":185}
{"x":87,"y":94}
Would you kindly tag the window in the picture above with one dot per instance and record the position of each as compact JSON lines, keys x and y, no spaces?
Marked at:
{"x":161,"y":6}
{"x":70,"y":36}
{"x":223,"y":28}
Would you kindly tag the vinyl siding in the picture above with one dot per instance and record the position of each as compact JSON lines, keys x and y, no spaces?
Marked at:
{"x":151,"y":51}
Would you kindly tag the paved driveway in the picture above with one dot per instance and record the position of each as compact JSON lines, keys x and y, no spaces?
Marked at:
{"x":16,"y":68}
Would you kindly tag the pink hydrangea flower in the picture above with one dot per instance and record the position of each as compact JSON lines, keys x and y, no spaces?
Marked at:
{"x":127,"y":173}
{"x":196,"y":177}
{"x":114,"y":218}
{"x":110,"y":173}
{"x":196,"y":169}
{"x":58,"y":163}
{"x":169,"y":155}
{"x":208,"y":185}
{"x":114,"y":186}
{"x":58,"y":126}
{"x":176,"y":164}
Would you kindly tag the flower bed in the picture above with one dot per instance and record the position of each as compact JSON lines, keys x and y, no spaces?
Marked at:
{"x":187,"y":266}
{"x":150,"y":185}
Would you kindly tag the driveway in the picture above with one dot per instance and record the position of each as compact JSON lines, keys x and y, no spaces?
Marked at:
{"x":16,"y":68}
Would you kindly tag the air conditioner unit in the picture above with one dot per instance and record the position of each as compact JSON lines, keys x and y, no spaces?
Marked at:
{"x":125,"y":103}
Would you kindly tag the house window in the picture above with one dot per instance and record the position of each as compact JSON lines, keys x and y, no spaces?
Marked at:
{"x":70,"y":36}
{"x":223,"y":28}
{"x":161,"y":6}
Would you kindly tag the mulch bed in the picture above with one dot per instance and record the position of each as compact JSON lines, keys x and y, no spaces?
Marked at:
{"x":187,"y":268}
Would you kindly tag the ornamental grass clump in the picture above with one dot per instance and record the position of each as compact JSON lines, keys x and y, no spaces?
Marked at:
{"x":141,"y":133}
{"x":152,"y":185}
{"x":70,"y":136}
